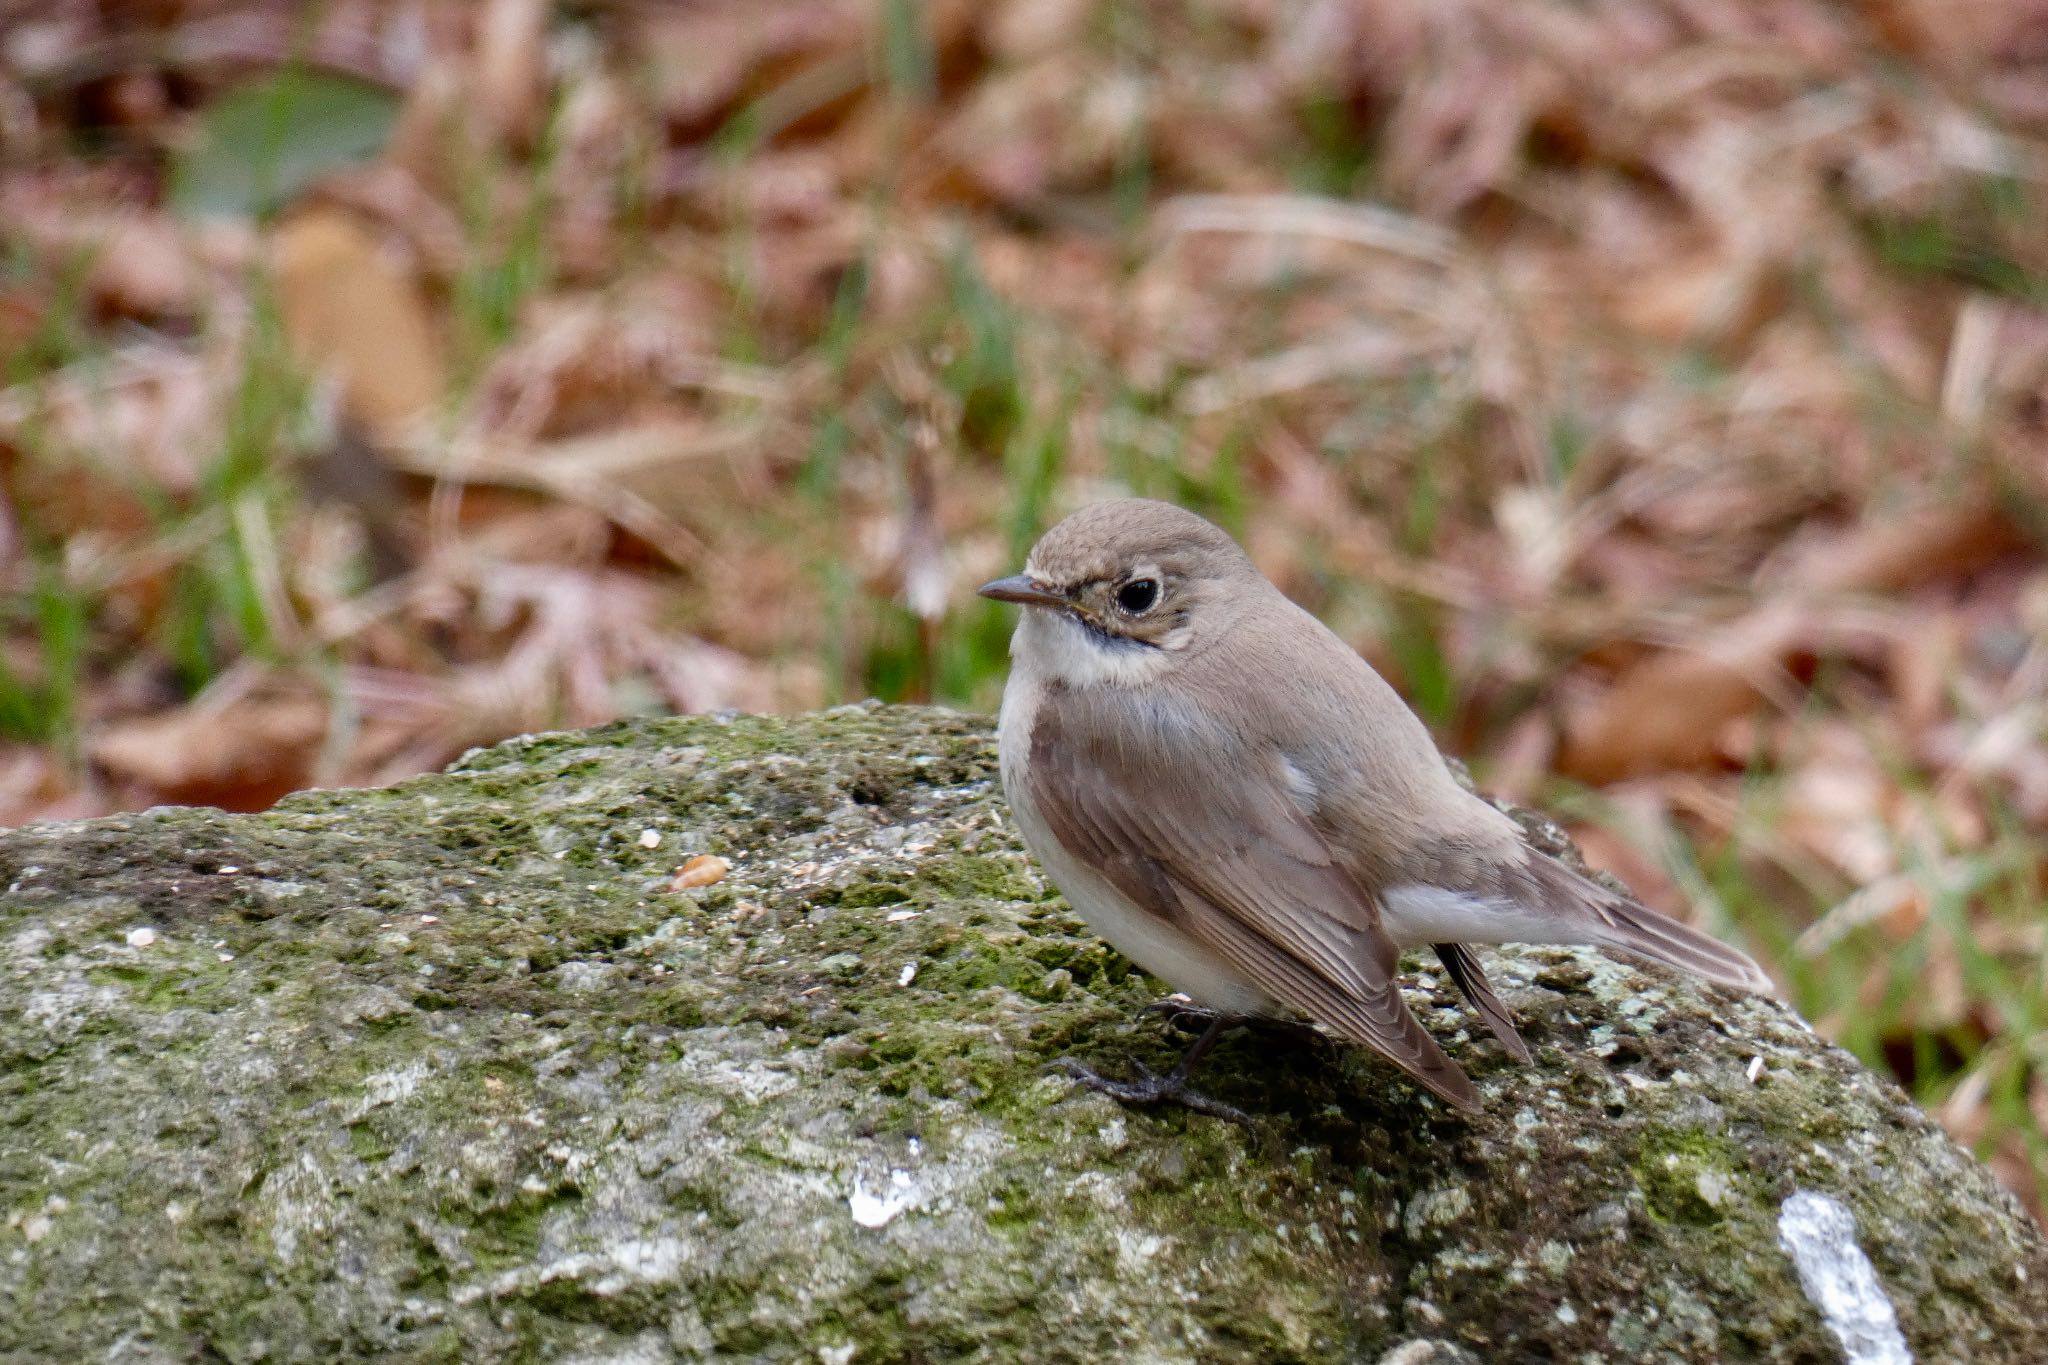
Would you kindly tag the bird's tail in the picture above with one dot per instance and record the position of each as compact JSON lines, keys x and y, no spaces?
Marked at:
{"x":1615,"y":921}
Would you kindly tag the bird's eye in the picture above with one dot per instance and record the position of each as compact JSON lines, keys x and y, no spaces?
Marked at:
{"x":1138,"y":595}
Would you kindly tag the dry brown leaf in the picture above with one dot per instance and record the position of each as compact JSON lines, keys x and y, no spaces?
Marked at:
{"x":1932,"y":543}
{"x":1921,"y":663}
{"x":511,"y":67}
{"x":143,"y":268}
{"x":356,"y":317}
{"x":1669,"y":710}
{"x":1027,"y":28}
{"x":137,"y":265}
{"x":706,"y":869}
{"x":436,"y":135}
{"x":1708,"y":297}
{"x":150,"y":412}
{"x":240,"y":756}
{"x":32,"y":787}
{"x":24,"y":312}
{"x":701,"y":59}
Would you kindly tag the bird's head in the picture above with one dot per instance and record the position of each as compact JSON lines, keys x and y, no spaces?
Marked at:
{"x":1120,"y":587}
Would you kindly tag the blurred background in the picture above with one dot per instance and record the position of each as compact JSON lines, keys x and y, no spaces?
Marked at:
{"x":1655,"y":390}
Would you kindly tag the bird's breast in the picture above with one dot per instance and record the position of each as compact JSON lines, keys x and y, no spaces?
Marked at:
{"x":1139,"y":934}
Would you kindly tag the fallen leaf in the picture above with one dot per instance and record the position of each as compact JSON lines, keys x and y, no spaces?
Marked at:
{"x":511,"y":67}
{"x":1887,"y":554}
{"x":1669,"y":710}
{"x":706,"y":869}
{"x":354,"y":315}
{"x":240,"y":756}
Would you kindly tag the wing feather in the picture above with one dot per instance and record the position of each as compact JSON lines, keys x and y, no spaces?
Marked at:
{"x":1463,"y":966}
{"x":1232,"y":863}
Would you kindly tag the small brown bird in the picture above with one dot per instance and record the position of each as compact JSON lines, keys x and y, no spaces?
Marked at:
{"x":1242,"y":806}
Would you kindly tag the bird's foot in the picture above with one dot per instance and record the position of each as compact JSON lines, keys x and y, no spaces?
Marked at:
{"x":1189,"y":1017}
{"x":1172,"y":1088}
{"x":1182,"y":1013}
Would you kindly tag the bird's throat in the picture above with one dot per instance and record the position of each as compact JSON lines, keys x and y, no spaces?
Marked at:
{"x":1060,"y":647}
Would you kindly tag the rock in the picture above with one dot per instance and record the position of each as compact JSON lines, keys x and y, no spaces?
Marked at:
{"x":448,"y":1072}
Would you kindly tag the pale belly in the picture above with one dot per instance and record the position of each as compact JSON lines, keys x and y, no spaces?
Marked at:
{"x":1166,"y":953}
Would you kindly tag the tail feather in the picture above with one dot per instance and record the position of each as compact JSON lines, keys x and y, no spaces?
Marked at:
{"x":1463,"y":966}
{"x":1627,"y":926}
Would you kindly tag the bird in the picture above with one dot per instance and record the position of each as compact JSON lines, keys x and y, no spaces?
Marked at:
{"x":1240,"y":804}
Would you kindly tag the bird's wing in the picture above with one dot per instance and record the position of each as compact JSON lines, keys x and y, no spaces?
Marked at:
{"x":1203,"y":835}
{"x":1463,"y":966}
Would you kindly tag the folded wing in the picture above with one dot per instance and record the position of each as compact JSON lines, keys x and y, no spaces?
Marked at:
{"x":1177,"y":828}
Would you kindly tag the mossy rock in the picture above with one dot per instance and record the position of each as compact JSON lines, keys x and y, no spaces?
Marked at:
{"x":447,"y":1072}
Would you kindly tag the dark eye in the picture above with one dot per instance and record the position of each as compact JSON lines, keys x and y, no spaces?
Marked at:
{"x":1138,"y":595}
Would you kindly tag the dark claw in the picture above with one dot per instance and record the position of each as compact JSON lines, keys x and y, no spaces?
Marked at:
{"x":1295,"y":1032}
{"x":1185,"y":1014}
{"x":1188,"y":1016}
{"x":1170,"y":1088}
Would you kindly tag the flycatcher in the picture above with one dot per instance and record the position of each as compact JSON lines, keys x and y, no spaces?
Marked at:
{"x":1243,"y":807}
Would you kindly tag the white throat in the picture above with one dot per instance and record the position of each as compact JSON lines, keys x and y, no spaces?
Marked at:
{"x":1053,"y":646}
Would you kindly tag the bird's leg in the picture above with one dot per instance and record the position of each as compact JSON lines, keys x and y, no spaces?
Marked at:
{"x":1173,"y":1086}
{"x":1185,"y":1014}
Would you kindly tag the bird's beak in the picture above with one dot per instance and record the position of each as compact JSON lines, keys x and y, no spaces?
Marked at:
{"x":1020,"y":588}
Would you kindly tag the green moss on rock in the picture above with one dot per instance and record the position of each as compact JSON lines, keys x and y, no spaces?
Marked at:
{"x":1690,"y":1176}
{"x":446,"y":1072}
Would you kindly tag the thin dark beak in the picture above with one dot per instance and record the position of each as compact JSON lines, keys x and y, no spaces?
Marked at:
{"x":1020,"y":588}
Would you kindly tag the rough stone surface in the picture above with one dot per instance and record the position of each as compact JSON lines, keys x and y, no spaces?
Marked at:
{"x":446,"y":1072}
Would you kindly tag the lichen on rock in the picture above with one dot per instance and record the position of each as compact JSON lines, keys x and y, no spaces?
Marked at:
{"x":450,"y":1071}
